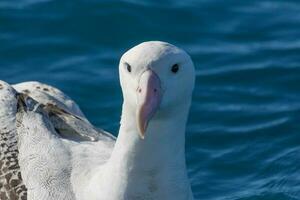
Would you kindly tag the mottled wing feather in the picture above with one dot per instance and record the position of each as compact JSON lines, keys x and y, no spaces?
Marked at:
{"x":11,"y":183}
{"x":65,"y":114}
{"x":74,"y":127}
{"x":46,"y":94}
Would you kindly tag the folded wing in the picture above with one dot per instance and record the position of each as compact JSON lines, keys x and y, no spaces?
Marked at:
{"x":36,"y":123}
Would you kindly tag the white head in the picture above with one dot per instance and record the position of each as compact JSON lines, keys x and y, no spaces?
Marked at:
{"x":156,"y":77}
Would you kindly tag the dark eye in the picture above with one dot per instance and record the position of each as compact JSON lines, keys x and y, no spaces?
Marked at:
{"x":175,"y":68}
{"x":128,"y":67}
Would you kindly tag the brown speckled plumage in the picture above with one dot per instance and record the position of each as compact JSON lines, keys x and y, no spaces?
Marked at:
{"x":11,"y":184}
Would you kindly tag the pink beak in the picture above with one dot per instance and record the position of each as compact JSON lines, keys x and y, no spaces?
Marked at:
{"x":149,"y":95}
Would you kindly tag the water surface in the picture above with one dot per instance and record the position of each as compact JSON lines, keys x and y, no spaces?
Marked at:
{"x":243,"y":135}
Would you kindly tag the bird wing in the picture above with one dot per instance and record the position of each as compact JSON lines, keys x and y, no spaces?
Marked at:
{"x":64,"y":113}
{"x":11,"y":183}
{"x":46,"y":94}
{"x":41,"y":133}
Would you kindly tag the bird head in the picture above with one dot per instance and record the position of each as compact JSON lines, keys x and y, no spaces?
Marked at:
{"x":156,"y":77}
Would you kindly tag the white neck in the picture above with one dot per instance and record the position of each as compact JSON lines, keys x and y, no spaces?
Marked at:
{"x":154,"y":167}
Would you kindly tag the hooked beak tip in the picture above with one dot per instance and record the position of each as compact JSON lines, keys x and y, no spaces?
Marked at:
{"x":142,"y":129}
{"x":142,"y":136}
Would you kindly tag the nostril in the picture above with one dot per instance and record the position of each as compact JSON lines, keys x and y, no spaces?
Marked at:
{"x":140,"y":90}
{"x":155,"y":90}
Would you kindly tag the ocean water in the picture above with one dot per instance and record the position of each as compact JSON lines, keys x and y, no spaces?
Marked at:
{"x":243,"y":134}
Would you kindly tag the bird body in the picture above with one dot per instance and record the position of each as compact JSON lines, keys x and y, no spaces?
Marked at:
{"x":61,"y":155}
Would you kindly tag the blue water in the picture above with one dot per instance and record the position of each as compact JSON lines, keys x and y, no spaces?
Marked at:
{"x":243,"y":135}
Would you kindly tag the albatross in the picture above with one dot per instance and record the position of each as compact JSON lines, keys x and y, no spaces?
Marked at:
{"x":50,"y":151}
